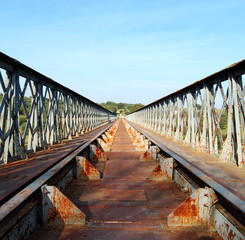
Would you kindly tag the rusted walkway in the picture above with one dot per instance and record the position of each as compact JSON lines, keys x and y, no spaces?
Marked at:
{"x":16,"y":175}
{"x":225,"y":178}
{"x":226,"y":174}
{"x":124,"y":204}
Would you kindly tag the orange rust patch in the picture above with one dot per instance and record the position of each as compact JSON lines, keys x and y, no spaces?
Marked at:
{"x":187,"y":209}
{"x":146,"y":154}
{"x":231,"y":235}
{"x":99,"y":154}
{"x":157,"y":172}
{"x":89,"y":169}
{"x":111,"y":132}
{"x":63,"y":211}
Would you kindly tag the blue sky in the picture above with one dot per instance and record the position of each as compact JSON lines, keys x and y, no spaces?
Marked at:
{"x":124,"y":50}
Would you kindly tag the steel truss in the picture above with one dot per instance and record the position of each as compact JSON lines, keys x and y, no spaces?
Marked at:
{"x":36,"y":111}
{"x":208,"y":115}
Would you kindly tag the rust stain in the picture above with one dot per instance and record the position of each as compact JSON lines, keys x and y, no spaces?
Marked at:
{"x":188,"y":208}
{"x":89,"y":169}
{"x":98,"y":153}
{"x":111,"y":132}
{"x":227,"y":227}
{"x":231,"y":235}
{"x":62,"y":210}
{"x":107,"y":218}
{"x":145,"y":155}
{"x":157,"y":172}
{"x":140,"y":147}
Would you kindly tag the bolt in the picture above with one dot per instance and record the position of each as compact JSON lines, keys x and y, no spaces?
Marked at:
{"x":206,"y":194}
{"x":205,"y":205}
{"x":46,"y":192}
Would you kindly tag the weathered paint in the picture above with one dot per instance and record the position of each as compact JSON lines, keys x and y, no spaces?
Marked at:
{"x":103,"y":145}
{"x":126,"y":206}
{"x":195,"y":210}
{"x":140,"y":142}
{"x":157,"y":174}
{"x":96,"y":154}
{"x":164,"y":171}
{"x":109,"y":136}
{"x":150,"y":154}
{"x":59,"y":210}
{"x":228,"y":229}
{"x":85,"y":170}
{"x":105,"y":139}
{"x":112,"y":132}
{"x":21,"y":224}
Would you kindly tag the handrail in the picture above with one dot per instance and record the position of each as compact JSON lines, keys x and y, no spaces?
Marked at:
{"x":208,"y":115}
{"x":49,"y":114}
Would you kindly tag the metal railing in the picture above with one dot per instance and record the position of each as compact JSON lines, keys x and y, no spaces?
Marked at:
{"x":208,"y":115}
{"x":36,"y":111}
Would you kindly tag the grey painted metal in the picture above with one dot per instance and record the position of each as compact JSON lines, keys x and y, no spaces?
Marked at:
{"x":36,"y":111}
{"x":208,"y":115}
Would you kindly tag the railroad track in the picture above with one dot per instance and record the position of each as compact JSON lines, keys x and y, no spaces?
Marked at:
{"x":20,"y":212}
{"x":230,"y":208}
{"x":17,"y":175}
{"x":21,"y":196}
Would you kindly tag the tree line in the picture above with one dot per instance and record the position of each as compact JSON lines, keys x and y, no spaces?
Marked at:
{"x":121,"y":109}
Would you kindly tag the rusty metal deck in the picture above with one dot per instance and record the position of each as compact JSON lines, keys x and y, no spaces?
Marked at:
{"x":225,"y":178}
{"x":124,"y":204}
{"x":15,"y":176}
{"x":227,"y":174}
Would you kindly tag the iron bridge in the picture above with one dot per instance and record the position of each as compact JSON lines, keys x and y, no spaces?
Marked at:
{"x":70,"y":169}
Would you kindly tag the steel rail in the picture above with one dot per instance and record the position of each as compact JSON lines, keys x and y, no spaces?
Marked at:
{"x":226,"y":197}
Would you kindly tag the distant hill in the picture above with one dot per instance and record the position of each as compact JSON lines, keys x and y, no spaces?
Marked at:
{"x":121,"y":108}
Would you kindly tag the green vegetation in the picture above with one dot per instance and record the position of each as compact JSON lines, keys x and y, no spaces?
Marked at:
{"x":121,"y":109}
{"x":24,"y":111}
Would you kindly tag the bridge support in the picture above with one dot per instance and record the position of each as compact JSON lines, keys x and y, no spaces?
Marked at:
{"x":195,"y":210}
{"x":85,"y":170}
{"x":103,"y":145}
{"x":138,"y":139}
{"x":141,"y":143}
{"x":112,"y":131}
{"x":96,"y":154}
{"x":150,"y":154}
{"x":109,"y":136}
{"x":106,"y":139}
{"x":58,"y":210}
{"x":164,"y":171}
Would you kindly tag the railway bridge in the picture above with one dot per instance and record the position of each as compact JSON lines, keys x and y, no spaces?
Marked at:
{"x":70,"y":169}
